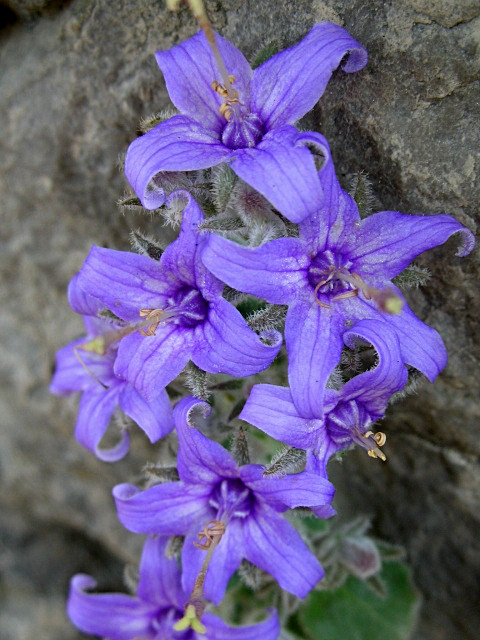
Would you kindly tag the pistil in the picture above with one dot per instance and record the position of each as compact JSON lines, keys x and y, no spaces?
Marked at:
{"x":372,"y":443}
{"x":209,"y":538}
{"x":198,"y":9}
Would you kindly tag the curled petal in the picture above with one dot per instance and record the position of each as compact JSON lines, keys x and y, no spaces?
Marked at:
{"x":374,"y":388}
{"x":112,"y":615}
{"x":225,"y":344}
{"x":288,"y":85}
{"x":420,"y":345}
{"x":201,"y":461}
{"x":177,"y":144}
{"x":386,"y":242}
{"x":94,"y":413}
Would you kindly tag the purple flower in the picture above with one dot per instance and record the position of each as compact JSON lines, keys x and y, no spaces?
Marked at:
{"x":254,"y":133}
{"x":158,"y":605}
{"x":327,"y":276}
{"x":79,"y":369}
{"x":348,"y":413}
{"x":212,"y":487}
{"x":175,"y":310}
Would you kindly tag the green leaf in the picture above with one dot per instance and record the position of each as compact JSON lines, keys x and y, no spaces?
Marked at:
{"x":354,"y":612}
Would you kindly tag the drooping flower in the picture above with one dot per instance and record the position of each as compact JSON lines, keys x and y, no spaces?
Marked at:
{"x":157,"y":606}
{"x":337,"y":272}
{"x":175,"y":311}
{"x":212,"y":487}
{"x":82,"y":366}
{"x":248,"y":125}
{"x":348,"y":414}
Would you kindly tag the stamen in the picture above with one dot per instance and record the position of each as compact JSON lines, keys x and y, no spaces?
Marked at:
{"x":198,"y":9}
{"x":150,"y":314}
{"x":208,"y":534}
{"x":346,"y":294}
{"x":379,"y":438}
{"x":90,"y":373}
{"x":319,"y":302}
{"x":209,"y":538}
{"x":387,"y":299}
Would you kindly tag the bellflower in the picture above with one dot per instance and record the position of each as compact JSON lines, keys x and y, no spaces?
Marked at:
{"x":80,"y":369}
{"x":332,"y":276}
{"x":157,"y":606}
{"x":175,"y":310}
{"x":212,"y":487}
{"x":348,"y":413}
{"x":249,"y":126}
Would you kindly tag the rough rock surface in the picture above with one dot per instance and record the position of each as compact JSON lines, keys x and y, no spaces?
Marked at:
{"x":75,"y":78}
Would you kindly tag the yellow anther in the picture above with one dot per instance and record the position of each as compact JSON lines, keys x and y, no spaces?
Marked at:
{"x":150,"y":314}
{"x":372,"y":453}
{"x":380,"y":438}
{"x":231,"y":78}
{"x":190,"y":620}
{"x":394,"y":305}
{"x":225,"y":111}
{"x":96,"y":345}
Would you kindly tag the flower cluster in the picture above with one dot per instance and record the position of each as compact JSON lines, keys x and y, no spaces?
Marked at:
{"x":147,"y":317}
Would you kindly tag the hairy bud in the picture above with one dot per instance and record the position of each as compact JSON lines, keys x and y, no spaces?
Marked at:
{"x":286,"y":460}
{"x":360,"y":556}
{"x":197,"y":381}
{"x":158,"y":474}
{"x":361,"y":192}
{"x":174,"y":546}
{"x":151,"y":121}
{"x":268,"y":50}
{"x":240,"y":451}
{"x":252,"y":576}
{"x":145,"y":245}
{"x":222,"y":222}
{"x":223,"y":182}
{"x":412,"y":277}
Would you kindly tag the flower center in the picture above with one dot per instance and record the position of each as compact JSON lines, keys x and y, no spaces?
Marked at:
{"x":329,"y":275}
{"x":349,"y":422}
{"x":231,"y":499}
{"x":186,"y":308}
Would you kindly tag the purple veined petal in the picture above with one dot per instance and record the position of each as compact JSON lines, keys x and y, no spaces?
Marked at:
{"x":373,"y":388}
{"x":288,"y":491}
{"x":124,"y":282}
{"x":386,"y":242}
{"x":283,"y":170}
{"x":177,"y":144}
{"x":190,"y":68}
{"x":180,"y":262}
{"x":271,"y":409}
{"x":288,"y":85}
{"x":154,"y":417}
{"x":313,"y":336}
{"x":273,"y":544}
{"x":168,"y":509}
{"x":149,"y":363}
{"x":159,"y":576}
{"x":275,"y":271}
{"x":70,"y":375}
{"x":420,"y":345}
{"x":81,"y":302}
{"x":225,"y":561}
{"x":94,"y":414}
{"x":112,"y":615}
{"x":224,"y":343}
{"x":200,"y":460}
{"x":336,"y":218}
{"x":217,"y":629}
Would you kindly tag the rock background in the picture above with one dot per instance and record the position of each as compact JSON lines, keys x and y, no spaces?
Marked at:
{"x":75,"y":78}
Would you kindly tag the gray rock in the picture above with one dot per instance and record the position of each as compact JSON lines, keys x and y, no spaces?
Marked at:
{"x":74,"y":84}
